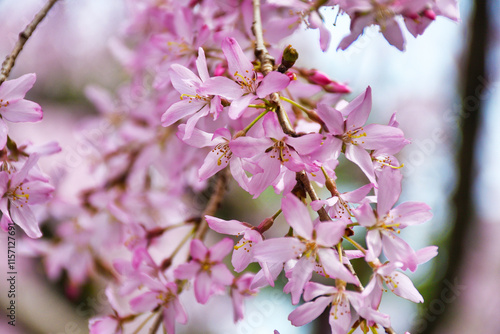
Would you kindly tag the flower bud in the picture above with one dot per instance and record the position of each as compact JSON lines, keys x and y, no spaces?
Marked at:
{"x":335,"y":87}
{"x":429,"y":13}
{"x":290,"y":56}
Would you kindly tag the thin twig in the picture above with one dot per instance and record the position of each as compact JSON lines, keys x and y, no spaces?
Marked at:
{"x":213,"y":203}
{"x":24,"y":35}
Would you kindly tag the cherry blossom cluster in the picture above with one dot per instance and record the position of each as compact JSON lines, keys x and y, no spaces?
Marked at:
{"x":22,"y":183}
{"x":208,"y":102}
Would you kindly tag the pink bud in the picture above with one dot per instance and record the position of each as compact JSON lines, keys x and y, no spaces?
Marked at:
{"x":335,"y":87}
{"x":429,"y":13}
{"x":219,"y":70}
{"x":318,"y":78}
{"x":291,"y":75}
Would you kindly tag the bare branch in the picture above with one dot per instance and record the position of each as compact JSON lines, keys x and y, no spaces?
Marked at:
{"x":24,"y":35}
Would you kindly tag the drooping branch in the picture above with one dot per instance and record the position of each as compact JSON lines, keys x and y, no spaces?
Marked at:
{"x":24,"y":35}
{"x":213,"y":203}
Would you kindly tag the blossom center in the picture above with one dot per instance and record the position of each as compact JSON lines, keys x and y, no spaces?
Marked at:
{"x":223,"y":153}
{"x":246,"y":81}
{"x":354,"y":136}
{"x":4,"y":104}
{"x":18,"y":196}
{"x":279,"y":150}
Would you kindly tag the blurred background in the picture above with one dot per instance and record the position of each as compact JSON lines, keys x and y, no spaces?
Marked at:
{"x":445,"y":89}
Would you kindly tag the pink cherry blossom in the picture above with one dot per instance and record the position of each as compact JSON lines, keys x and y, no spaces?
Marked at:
{"x":13,"y":106}
{"x":312,"y":245}
{"x":357,"y":137}
{"x":209,"y":273}
{"x":246,"y":80}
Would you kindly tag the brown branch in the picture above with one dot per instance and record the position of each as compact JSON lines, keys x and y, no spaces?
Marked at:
{"x":24,"y":35}
{"x":213,"y":203}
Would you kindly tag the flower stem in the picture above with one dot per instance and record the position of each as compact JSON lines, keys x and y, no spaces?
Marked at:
{"x":277,"y":214}
{"x":249,"y":126}
{"x":261,"y":106}
{"x":24,"y":35}
{"x":292,"y":102}
{"x":355,"y":244}
{"x":138,"y":330}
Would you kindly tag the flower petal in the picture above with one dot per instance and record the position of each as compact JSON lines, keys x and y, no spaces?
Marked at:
{"x":13,"y":90}
{"x":273,"y":82}
{"x":278,"y":250}
{"x":221,"y":249}
{"x":203,"y":287}
{"x":237,"y":62}
{"x":359,"y":110}
{"x":22,"y":111}
{"x":297,"y":216}
{"x":232,"y":227}
{"x":24,"y":218}
{"x":307,"y":312}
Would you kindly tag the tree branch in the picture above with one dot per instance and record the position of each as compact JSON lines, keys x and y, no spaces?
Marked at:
{"x":213,"y":203}
{"x":24,"y":35}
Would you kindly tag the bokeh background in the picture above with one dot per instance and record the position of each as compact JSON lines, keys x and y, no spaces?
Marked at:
{"x":445,"y":88}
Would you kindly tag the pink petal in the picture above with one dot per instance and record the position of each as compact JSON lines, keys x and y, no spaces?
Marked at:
{"x":360,"y":157}
{"x":307,"y":312}
{"x":187,"y":270}
{"x":333,"y":119}
{"x":236,"y":60}
{"x":259,"y":182}
{"x":180,"y":110}
{"x":24,"y":218}
{"x":198,"y":137}
{"x":356,"y":196}
{"x":306,"y":144}
{"x":184,"y":80}
{"x":39,"y":192}
{"x":365,"y":216}
{"x":278,"y":250}
{"x":380,"y":136}
{"x":340,"y":317}
{"x":232,"y":227}
{"x":213,"y":163}
{"x":198,"y":250}
{"x":330,"y":233}
{"x":393,"y":34}
{"x":426,"y":254}
{"x":297,"y":216}
{"x":203,"y":287}
{"x":359,"y":110}
{"x":333,"y":267}
{"x":22,"y":111}
{"x":221,"y":249}
{"x":239,"y":105}
{"x":389,"y":189}
{"x":374,"y":244}
{"x":13,"y":90}
{"x":145,"y":302}
{"x":201,"y":65}
{"x":221,"y":275}
{"x":222,"y":86}
{"x":396,"y":249}
{"x":3,"y":134}
{"x":248,"y":147}
{"x":193,"y":120}
{"x":272,"y":83}
{"x":180,"y":314}
{"x":242,"y":256}
{"x":313,"y":290}
{"x":410,"y":213}
{"x":301,"y":274}
{"x":403,"y":287}
{"x":168,"y":314}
